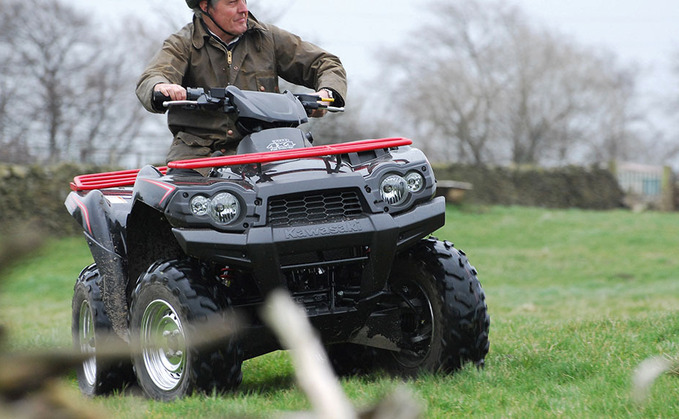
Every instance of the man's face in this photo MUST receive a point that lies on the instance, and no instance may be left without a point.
(232, 15)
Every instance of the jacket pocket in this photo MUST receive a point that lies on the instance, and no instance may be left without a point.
(266, 82)
(187, 146)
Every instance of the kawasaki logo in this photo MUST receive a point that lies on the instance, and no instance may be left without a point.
(309, 232)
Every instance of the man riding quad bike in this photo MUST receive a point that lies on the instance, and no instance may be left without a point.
(343, 228)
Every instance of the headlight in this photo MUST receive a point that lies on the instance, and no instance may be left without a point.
(394, 190)
(415, 181)
(199, 205)
(224, 207)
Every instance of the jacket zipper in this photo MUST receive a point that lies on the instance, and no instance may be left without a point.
(229, 56)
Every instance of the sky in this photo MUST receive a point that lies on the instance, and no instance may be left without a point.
(641, 32)
(644, 33)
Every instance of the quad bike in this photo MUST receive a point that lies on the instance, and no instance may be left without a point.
(344, 228)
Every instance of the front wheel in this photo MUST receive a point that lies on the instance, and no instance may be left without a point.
(349, 359)
(92, 330)
(442, 309)
(169, 305)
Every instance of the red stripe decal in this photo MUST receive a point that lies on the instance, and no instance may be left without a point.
(83, 211)
(168, 188)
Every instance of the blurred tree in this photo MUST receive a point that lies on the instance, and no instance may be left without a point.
(11, 131)
(49, 45)
(667, 145)
(485, 86)
(67, 93)
(114, 123)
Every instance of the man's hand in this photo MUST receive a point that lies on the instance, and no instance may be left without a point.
(174, 91)
(319, 113)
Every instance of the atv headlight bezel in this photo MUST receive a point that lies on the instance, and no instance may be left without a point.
(200, 205)
(394, 189)
(415, 181)
(224, 208)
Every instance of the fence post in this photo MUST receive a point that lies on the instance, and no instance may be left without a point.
(667, 201)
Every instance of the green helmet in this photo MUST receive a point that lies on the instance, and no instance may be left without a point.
(192, 3)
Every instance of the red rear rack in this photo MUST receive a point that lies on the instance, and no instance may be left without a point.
(107, 179)
(127, 177)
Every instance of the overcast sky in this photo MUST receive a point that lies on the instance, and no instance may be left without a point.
(644, 32)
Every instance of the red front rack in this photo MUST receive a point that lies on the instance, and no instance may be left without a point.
(127, 177)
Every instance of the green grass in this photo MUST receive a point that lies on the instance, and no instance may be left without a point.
(577, 300)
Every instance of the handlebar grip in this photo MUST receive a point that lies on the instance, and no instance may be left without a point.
(158, 100)
(192, 93)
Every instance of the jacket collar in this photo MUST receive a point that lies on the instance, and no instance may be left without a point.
(201, 34)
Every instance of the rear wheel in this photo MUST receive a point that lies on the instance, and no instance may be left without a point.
(91, 329)
(443, 314)
(169, 305)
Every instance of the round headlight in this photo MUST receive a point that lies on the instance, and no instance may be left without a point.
(224, 207)
(415, 181)
(394, 190)
(199, 205)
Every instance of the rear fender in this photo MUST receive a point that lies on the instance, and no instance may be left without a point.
(105, 232)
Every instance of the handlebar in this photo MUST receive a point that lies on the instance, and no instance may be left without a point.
(216, 98)
(193, 98)
(312, 102)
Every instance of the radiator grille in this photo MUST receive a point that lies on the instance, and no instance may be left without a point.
(314, 207)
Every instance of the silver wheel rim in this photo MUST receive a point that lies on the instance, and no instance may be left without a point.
(163, 345)
(86, 339)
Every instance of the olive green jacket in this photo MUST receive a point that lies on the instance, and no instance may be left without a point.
(194, 58)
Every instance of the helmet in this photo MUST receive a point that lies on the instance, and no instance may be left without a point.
(192, 3)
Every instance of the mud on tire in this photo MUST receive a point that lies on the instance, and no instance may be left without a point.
(91, 329)
(169, 304)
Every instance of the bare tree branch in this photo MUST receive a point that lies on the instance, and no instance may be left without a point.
(489, 87)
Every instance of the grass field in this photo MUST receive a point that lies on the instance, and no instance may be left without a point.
(577, 300)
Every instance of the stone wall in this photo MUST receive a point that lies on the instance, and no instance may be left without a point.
(567, 187)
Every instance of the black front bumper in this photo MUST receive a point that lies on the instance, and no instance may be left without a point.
(268, 251)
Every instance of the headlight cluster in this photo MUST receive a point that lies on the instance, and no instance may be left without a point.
(395, 188)
(222, 208)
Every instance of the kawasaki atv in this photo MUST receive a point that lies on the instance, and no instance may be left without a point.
(343, 228)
